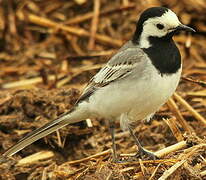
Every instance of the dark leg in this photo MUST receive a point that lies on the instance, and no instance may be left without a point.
(112, 131)
(142, 151)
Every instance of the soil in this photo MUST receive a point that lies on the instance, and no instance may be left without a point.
(49, 50)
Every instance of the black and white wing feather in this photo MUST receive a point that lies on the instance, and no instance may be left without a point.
(121, 65)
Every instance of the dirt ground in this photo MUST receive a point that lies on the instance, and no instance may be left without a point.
(48, 52)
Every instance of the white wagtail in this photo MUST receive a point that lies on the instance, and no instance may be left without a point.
(133, 85)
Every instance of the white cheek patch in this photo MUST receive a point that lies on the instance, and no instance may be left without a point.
(168, 19)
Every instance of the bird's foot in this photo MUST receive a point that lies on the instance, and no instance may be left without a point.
(117, 159)
(120, 160)
(145, 154)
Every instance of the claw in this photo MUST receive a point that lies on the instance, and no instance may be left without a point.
(144, 154)
(119, 160)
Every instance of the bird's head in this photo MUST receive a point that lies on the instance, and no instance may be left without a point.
(157, 22)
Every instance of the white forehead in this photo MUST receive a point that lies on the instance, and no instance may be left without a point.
(168, 18)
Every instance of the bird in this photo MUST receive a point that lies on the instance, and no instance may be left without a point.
(132, 86)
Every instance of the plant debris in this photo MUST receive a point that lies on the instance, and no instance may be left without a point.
(48, 52)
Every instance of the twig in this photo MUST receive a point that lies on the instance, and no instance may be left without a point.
(158, 161)
(166, 150)
(32, 81)
(174, 108)
(109, 151)
(190, 108)
(196, 81)
(171, 170)
(95, 21)
(26, 82)
(197, 93)
(76, 31)
(89, 15)
(153, 174)
(44, 174)
(175, 130)
(89, 123)
(74, 43)
(195, 71)
(203, 173)
(171, 148)
(127, 169)
(59, 140)
(35, 157)
(142, 167)
(82, 173)
(80, 2)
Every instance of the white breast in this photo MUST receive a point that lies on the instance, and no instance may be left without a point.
(154, 94)
(138, 97)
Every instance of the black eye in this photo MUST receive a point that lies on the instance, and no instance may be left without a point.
(160, 26)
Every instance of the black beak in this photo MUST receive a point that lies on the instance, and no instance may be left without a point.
(183, 27)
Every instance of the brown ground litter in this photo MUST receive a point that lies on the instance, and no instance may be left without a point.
(48, 52)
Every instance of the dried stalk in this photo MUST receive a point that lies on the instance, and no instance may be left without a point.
(76, 31)
(190, 108)
(94, 24)
(174, 108)
(35, 157)
(175, 130)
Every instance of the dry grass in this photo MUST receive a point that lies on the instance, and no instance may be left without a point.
(50, 49)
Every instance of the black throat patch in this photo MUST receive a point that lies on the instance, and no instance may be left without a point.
(164, 55)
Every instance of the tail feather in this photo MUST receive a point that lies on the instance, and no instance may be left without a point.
(42, 132)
